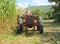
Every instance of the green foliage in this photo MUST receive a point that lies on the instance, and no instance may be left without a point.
(54, 1)
(40, 12)
(56, 8)
(37, 12)
(43, 11)
(57, 17)
(7, 12)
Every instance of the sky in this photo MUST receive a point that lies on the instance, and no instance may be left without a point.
(25, 3)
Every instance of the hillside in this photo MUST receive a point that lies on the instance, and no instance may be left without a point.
(43, 8)
(47, 6)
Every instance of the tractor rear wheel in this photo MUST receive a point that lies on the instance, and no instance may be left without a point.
(19, 29)
(40, 29)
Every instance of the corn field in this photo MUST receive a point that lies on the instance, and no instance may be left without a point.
(8, 14)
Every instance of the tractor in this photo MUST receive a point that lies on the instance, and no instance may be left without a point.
(30, 21)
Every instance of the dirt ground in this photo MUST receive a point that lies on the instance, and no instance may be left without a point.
(51, 35)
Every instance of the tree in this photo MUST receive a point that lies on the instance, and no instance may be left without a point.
(37, 12)
(56, 8)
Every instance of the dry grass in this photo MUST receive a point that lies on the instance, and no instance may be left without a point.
(51, 35)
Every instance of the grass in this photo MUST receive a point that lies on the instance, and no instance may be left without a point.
(51, 35)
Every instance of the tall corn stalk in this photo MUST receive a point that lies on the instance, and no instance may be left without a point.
(8, 15)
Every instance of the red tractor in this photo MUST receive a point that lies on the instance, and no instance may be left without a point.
(30, 21)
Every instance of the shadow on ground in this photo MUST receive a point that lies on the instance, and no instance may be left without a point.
(55, 35)
(46, 35)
